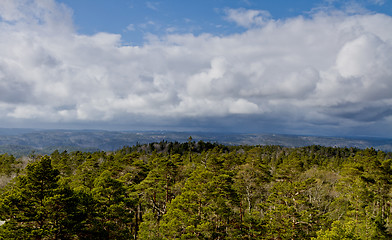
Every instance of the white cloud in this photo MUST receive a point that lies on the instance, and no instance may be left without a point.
(153, 5)
(242, 106)
(362, 55)
(247, 17)
(329, 68)
(378, 2)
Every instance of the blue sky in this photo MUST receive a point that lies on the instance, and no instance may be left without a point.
(293, 67)
(133, 19)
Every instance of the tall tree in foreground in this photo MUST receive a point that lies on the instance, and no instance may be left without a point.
(115, 208)
(38, 207)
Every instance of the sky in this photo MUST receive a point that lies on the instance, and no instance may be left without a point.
(321, 67)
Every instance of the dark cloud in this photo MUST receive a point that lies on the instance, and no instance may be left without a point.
(362, 113)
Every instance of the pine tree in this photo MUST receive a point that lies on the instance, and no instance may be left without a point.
(38, 207)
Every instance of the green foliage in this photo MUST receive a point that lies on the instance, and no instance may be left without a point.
(198, 190)
(339, 231)
(114, 207)
(8, 165)
(39, 207)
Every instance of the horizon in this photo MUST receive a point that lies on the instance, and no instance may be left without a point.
(303, 68)
(212, 133)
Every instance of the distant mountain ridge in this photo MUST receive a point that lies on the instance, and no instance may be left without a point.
(25, 141)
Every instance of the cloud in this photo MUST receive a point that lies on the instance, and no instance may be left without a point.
(153, 5)
(247, 17)
(330, 69)
(378, 2)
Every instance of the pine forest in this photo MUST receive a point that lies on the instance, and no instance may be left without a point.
(198, 190)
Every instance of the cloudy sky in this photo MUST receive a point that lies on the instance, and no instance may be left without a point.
(321, 67)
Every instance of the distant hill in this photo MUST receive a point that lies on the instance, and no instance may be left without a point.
(21, 142)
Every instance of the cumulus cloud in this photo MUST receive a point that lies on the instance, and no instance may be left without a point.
(330, 68)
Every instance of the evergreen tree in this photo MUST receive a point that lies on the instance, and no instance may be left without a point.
(38, 207)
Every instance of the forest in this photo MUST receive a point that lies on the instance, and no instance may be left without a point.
(198, 190)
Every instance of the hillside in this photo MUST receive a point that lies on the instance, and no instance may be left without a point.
(25, 141)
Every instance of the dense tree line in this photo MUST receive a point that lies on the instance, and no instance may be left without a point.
(171, 190)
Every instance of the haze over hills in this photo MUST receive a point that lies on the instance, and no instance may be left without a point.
(25, 141)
